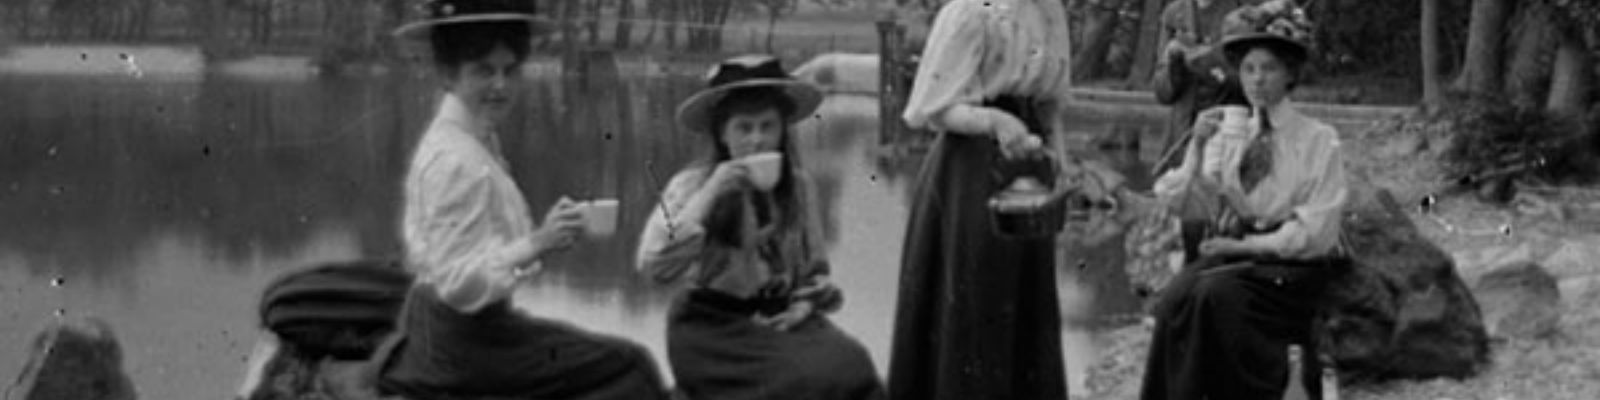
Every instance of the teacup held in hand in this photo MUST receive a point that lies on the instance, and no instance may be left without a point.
(600, 217)
(765, 168)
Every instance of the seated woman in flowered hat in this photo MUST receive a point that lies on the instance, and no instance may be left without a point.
(1225, 323)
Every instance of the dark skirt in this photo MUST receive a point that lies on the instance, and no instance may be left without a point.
(1223, 328)
(977, 312)
(718, 353)
(500, 353)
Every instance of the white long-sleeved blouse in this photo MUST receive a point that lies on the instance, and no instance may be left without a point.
(675, 249)
(982, 49)
(465, 222)
(1306, 187)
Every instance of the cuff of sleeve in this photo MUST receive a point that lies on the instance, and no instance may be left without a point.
(827, 300)
(518, 252)
(1276, 242)
(679, 231)
(522, 273)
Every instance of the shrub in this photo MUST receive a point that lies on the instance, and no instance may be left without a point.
(1496, 142)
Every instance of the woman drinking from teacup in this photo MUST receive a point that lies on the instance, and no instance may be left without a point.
(470, 239)
(740, 228)
(1276, 184)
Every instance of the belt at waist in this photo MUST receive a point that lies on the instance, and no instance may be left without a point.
(738, 305)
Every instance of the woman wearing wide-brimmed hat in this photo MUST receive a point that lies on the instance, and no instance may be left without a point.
(977, 315)
(1225, 324)
(470, 238)
(741, 229)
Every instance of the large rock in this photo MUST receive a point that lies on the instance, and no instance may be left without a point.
(1520, 301)
(1401, 311)
(77, 359)
(1577, 257)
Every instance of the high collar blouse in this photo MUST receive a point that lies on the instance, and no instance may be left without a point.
(1306, 187)
(676, 250)
(982, 49)
(465, 221)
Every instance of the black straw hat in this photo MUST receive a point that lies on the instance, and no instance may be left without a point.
(451, 12)
(750, 71)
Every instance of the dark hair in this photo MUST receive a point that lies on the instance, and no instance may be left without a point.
(1293, 59)
(722, 224)
(457, 44)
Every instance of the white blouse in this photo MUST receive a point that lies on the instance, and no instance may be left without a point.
(465, 221)
(1306, 187)
(981, 49)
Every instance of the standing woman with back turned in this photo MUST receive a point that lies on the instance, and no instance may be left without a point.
(977, 312)
(471, 241)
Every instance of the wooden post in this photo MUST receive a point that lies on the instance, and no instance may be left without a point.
(889, 93)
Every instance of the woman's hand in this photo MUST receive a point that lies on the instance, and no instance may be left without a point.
(1205, 125)
(729, 176)
(798, 312)
(1177, 49)
(562, 227)
(1013, 137)
(1229, 247)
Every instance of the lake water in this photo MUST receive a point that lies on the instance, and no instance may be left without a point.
(165, 205)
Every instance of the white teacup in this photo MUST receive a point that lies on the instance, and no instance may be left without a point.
(600, 217)
(765, 168)
(1229, 140)
(1235, 119)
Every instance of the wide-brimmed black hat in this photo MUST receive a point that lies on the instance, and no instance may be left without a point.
(1278, 24)
(750, 71)
(452, 12)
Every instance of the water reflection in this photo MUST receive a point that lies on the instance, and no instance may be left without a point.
(166, 206)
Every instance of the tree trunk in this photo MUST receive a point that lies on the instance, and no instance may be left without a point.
(24, 20)
(394, 13)
(143, 13)
(1090, 62)
(1532, 46)
(1432, 93)
(1481, 70)
(704, 13)
(569, 19)
(1570, 82)
(655, 24)
(594, 11)
(724, 10)
(700, 18)
(1144, 49)
(674, 14)
(624, 33)
(772, 22)
(205, 26)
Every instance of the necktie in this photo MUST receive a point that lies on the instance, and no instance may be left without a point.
(1257, 160)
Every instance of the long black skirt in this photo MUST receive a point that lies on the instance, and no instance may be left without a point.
(499, 353)
(1223, 329)
(717, 352)
(977, 312)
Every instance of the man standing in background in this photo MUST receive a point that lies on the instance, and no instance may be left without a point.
(1190, 76)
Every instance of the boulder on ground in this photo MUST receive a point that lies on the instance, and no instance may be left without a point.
(1520, 301)
(77, 358)
(1401, 311)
